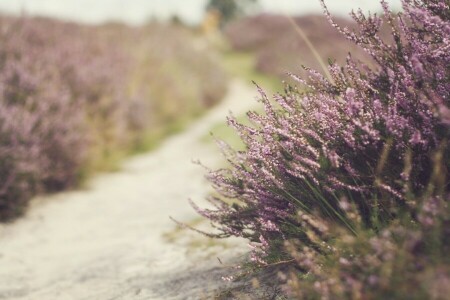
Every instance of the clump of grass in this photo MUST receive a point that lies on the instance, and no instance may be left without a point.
(405, 259)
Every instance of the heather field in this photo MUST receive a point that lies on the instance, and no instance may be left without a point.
(77, 99)
(258, 156)
(279, 48)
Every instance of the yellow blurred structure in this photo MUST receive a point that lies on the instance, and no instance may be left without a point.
(211, 22)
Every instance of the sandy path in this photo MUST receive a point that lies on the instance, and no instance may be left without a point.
(108, 241)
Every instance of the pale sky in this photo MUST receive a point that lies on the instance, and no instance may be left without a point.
(139, 11)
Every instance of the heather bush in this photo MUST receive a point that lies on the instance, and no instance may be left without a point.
(362, 138)
(74, 101)
(42, 145)
(19, 176)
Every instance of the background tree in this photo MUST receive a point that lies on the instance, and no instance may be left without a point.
(229, 9)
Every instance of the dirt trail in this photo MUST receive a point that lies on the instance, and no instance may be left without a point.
(110, 240)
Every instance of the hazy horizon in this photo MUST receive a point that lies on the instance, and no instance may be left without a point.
(137, 12)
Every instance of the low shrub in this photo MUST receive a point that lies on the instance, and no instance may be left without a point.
(42, 140)
(364, 138)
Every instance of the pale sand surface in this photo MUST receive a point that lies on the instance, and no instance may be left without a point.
(114, 239)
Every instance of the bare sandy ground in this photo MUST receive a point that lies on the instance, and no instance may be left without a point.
(114, 239)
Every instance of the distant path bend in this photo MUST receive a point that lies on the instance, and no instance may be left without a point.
(107, 242)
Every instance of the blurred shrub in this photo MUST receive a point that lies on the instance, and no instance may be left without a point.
(73, 99)
(280, 49)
